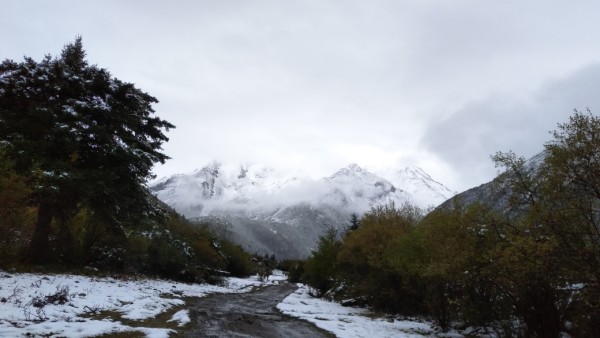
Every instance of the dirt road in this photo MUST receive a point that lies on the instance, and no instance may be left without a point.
(250, 314)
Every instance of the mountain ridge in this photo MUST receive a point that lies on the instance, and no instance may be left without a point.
(261, 208)
(217, 181)
(496, 193)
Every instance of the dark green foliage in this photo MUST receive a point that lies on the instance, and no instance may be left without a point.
(238, 262)
(366, 265)
(76, 148)
(457, 264)
(555, 242)
(294, 269)
(354, 222)
(168, 260)
(81, 137)
(370, 264)
(15, 217)
(531, 271)
(319, 269)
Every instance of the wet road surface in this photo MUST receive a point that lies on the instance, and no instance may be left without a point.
(251, 314)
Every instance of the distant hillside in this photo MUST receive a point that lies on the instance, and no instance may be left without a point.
(494, 194)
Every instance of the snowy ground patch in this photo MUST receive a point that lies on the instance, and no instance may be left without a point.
(182, 317)
(349, 322)
(73, 306)
(276, 277)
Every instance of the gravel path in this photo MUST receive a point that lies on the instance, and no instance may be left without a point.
(251, 314)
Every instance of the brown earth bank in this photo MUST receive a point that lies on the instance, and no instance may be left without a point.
(252, 314)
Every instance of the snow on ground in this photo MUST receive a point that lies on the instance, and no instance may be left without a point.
(182, 317)
(73, 306)
(277, 276)
(82, 306)
(349, 322)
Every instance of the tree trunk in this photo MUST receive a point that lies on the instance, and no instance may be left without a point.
(65, 243)
(541, 315)
(39, 248)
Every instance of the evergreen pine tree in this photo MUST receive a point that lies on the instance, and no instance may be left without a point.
(354, 222)
(81, 136)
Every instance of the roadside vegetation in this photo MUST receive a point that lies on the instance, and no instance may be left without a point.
(76, 149)
(530, 271)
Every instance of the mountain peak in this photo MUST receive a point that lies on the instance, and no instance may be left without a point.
(352, 169)
(414, 173)
(211, 169)
(425, 190)
(354, 166)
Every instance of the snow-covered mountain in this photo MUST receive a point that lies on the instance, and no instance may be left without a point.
(218, 186)
(424, 190)
(357, 189)
(271, 212)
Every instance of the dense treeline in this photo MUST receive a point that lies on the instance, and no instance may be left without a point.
(532, 270)
(76, 149)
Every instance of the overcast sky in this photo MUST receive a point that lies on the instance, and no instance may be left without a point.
(317, 85)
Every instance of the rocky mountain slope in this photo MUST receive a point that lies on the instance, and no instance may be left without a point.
(270, 212)
(496, 193)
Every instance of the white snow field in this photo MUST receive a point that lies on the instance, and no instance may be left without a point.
(351, 322)
(81, 306)
(76, 310)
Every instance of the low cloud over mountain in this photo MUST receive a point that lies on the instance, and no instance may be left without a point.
(270, 212)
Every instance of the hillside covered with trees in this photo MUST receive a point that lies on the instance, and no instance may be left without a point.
(76, 149)
(532, 270)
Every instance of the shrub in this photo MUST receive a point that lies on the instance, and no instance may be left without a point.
(238, 262)
(319, 269)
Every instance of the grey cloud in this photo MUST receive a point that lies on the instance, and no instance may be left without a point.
(312, 83)
(470, 135)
